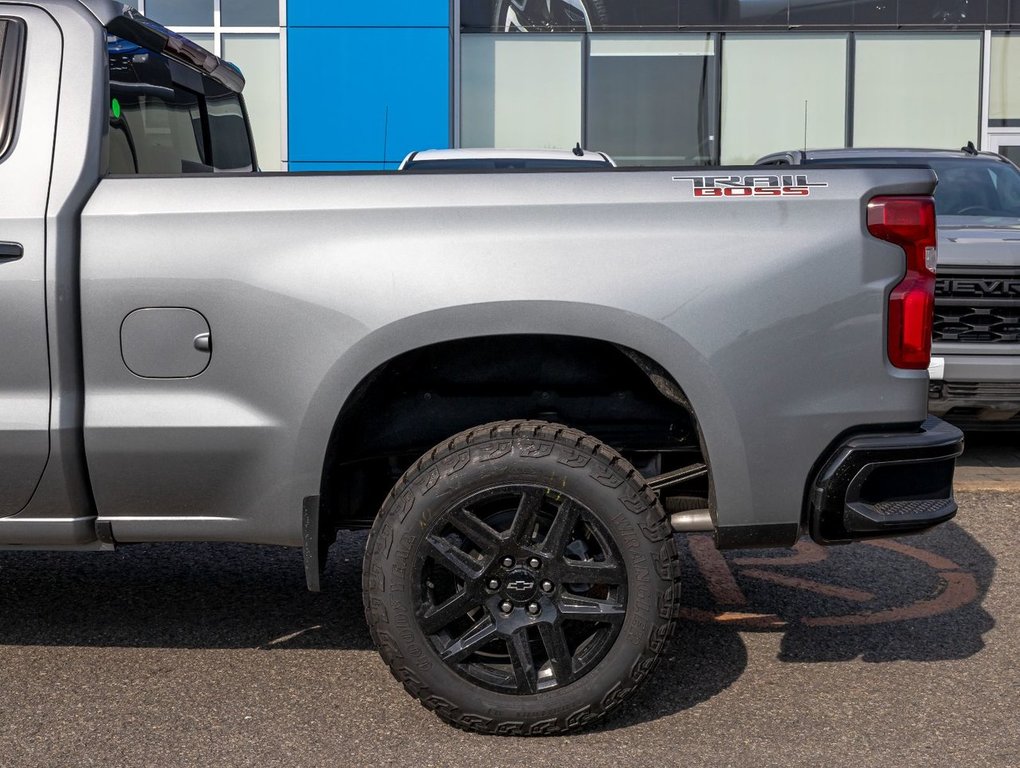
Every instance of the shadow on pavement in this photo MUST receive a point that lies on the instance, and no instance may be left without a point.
(918, 599)
(182, 596)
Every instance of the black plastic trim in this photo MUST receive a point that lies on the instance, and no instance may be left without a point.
(921, 464)
(134, 27)
(316, 547)
(752, 536)
(11, 251)
(104, 532)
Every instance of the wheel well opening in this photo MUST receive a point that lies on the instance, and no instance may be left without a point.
(416, 400)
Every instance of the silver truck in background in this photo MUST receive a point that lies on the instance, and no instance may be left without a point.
(523, 382)
(976, 367)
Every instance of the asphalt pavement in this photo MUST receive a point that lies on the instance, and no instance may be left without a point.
(896, 653)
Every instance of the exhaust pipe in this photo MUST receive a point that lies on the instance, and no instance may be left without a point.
(692, 521)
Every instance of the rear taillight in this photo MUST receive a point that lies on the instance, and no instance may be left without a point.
(909, 222)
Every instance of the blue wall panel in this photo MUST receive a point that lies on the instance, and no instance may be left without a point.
(366, 94)
(368, 13)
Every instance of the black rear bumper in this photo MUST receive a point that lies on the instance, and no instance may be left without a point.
(886, 484)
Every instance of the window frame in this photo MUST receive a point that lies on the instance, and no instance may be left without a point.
(184, 79)
(12, 58)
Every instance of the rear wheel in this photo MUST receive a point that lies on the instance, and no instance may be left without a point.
(521, 579)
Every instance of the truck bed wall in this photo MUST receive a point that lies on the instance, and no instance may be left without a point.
(769, 313)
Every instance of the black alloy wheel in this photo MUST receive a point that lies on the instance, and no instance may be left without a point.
(521, 579)
(521, 589)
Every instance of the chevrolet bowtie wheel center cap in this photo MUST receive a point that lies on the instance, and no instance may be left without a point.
(521, 585)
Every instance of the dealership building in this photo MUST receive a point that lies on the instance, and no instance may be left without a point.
(336, 85)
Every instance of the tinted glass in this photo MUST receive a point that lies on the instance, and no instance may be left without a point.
(967, 186)
(475, 16)
(690, 12)
(228, 132)
(11, 34)
(878, 12)
(4, 97)
(159, 127)
(998, 12)
(250, 13)
(181, 13)
(669, 15)
(930, 12)
(155, 127)
(740, 13)
(839, 12)
(980, 188)
(652, 99)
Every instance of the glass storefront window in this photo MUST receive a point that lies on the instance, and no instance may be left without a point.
(916, 90)
(772, 101)
(521, 91)
(258, 56)
(652, 98)
(1004, 81)
(181, 13)
(250, 13)
(673, 15)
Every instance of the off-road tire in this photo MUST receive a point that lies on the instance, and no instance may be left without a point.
(508, 454)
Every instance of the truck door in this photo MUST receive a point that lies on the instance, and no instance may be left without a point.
(27, 126)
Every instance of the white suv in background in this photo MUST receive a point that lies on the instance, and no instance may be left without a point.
(505, 159)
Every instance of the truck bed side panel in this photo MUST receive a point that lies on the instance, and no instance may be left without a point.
(769, 313)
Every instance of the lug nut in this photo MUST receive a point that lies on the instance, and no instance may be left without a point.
(493, 584)
(506, 607)
(535, 562)
(534, 609)
(547, 586)
(508, 562)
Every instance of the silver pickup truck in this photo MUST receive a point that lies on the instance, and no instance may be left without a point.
(524, 383)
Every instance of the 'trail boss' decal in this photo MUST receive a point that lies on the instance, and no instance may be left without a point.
(788, 185)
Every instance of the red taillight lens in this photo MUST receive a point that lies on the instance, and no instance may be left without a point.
(909, 222)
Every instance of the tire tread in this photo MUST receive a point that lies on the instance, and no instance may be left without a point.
(656, 530)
